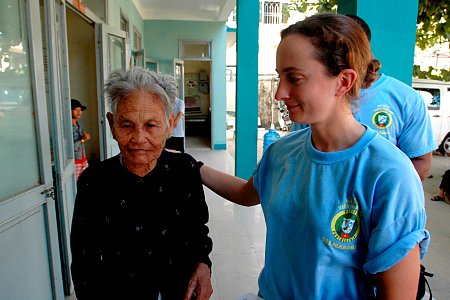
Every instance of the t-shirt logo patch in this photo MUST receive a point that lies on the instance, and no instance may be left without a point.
(345, 225)
(382, 119)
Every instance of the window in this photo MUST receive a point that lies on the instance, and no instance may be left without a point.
(432, 97)
(124, 24)
(98, 7)
(19, 143)
(137, 39)
(195, 50)
(273, 12)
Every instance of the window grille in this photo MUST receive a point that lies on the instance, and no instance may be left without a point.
(272, 13)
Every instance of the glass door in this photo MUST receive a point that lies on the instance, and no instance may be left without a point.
(29, 261)
(58, 98)
(178, 71)
(112, 55)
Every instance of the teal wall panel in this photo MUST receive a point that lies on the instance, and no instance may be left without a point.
(393, 26)
(348, 6)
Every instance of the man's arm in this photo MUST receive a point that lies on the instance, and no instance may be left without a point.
(177, 118)
(402, 280)
(422, 164)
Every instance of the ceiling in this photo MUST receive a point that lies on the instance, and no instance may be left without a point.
(187, 10)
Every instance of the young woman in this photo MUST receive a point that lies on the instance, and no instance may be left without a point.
(343, 206)
(79, 138)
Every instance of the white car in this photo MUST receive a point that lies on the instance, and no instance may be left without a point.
(436, 95)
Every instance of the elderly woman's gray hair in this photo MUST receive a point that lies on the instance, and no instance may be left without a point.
(123, 83)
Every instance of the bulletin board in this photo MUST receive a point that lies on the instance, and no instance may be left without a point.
(191, 84)
(192, 104)
(192, 93)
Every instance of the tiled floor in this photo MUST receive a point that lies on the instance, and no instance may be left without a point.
(437, 260)
(238, 234)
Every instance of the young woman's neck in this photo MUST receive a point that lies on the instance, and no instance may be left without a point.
(339, 134)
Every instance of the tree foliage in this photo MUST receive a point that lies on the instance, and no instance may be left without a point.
(309, 7)
(432, 25)
(431, 73)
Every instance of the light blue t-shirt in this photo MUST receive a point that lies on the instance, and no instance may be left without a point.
(399, 114)
(335, 218)
(179, 130)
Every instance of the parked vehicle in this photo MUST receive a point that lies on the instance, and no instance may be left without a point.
(436, 95)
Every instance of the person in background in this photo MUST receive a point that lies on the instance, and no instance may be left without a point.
(344, 207)
(441, 150)
(176, 140)
(79, 138)
(444, 189)
(397, 112)
(139, 225)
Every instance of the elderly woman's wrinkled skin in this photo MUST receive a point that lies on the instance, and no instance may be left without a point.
(140, 128)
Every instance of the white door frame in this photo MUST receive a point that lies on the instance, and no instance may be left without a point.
(32, 212)
(108, 146)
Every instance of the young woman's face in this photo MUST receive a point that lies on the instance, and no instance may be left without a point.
(305, 86)
(76, 113)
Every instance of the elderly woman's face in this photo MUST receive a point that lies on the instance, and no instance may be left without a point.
(140, 128)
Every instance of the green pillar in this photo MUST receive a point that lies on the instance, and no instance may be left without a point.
(246, 86)
(393, 26)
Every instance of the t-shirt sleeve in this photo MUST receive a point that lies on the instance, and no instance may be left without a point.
(417, 137)
(397, 220)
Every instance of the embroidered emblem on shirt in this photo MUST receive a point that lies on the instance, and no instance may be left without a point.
(382, 118)
(345, 225)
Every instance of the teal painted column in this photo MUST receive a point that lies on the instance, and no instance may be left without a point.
(393, 26)
(246, 86)
(347, 7)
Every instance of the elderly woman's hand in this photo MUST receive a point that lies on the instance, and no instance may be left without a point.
(200, 287)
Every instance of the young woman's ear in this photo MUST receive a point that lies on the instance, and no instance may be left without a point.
(347, 78)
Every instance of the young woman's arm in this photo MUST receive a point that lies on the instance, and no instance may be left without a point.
(400, 281)
(232, 188)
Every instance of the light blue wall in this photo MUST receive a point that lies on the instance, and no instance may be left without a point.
(130, 11)
(161, 43)
(393, 26)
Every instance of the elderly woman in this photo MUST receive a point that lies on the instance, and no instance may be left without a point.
(139, 226)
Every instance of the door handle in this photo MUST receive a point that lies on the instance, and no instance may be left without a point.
(49, 193)
(436, 116)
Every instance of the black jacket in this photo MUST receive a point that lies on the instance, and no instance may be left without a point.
(133, 237)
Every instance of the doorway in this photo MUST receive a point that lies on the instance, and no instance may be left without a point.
(197, 97)
(82, 77)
